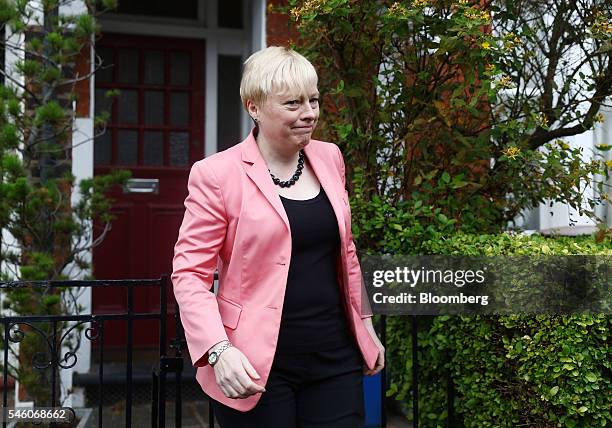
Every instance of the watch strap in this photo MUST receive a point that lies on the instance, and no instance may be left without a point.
(220, 349)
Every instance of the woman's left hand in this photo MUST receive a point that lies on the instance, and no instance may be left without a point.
(380, 360)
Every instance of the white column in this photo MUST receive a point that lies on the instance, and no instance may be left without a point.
(258, 25)
(557, 219)
(82, 168)
(603, 135)
(210, 83)
(257, 31)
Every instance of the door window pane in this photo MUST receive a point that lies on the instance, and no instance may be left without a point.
(128, 107)
(127, 141)
(105, 71)
(179, 109)
(154, 67)
(103, 103)
(128, 66)
(153, 148)
(180, 69)
(153, 108)
(102, 148)
(179, 148)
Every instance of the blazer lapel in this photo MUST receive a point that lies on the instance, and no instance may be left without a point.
(258, 172)
(321, 168)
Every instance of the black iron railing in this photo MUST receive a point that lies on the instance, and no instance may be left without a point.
(167, 365)
(51, 358)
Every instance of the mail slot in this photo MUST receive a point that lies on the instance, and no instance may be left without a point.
(142, 185)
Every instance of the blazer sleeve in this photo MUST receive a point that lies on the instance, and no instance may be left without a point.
(196, 251)
(354, 268)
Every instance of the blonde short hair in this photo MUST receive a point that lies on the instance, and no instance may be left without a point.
(275, 67)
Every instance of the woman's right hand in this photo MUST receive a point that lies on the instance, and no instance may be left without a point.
(234, 374)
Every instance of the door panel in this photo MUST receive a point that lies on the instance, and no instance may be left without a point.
(155, 130)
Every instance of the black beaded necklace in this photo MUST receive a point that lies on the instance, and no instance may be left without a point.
(296, 175)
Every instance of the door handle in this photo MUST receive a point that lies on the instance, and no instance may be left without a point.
(142, 185)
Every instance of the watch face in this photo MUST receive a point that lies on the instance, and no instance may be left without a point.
(212, 359)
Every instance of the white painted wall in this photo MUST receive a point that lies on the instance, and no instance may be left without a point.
(82, 168)
(11, 56)
(556, 219)
(603, 135)
(211, 90)
(257, 22)
(8, 241)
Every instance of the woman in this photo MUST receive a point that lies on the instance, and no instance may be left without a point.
(285, 340)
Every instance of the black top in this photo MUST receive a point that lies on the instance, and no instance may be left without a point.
(313, 313)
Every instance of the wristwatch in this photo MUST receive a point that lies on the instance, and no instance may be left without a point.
(213, 356)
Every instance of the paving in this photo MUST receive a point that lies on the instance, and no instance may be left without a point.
(195, 415)
(194, 405)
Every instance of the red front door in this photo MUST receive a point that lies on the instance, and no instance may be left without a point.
(156, 131)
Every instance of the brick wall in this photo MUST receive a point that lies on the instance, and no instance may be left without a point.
(82, 68)
(278, 31)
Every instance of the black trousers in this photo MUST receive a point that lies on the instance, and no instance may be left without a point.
(321, 388)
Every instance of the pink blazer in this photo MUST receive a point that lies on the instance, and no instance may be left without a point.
(235, 222)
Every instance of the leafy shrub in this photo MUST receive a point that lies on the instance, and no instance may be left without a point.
(543, 371)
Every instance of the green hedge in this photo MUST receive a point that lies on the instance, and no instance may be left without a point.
(507, 371)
